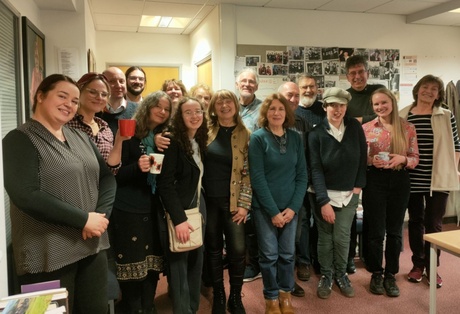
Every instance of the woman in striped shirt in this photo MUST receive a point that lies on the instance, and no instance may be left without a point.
(437, 171)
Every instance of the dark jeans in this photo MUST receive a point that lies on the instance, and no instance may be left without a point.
(302, 237)
(425, 216)
(252, 246)
(219, 223)
(85, 280)
(385, 199)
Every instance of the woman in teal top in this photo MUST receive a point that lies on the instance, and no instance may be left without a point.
(279, 181)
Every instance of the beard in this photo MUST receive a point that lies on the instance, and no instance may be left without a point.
(135, 92)
(307, 101)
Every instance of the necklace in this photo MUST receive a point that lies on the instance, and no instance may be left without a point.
(281, 142)
(227, 128)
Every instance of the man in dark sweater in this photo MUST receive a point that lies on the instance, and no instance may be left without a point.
(359, 107)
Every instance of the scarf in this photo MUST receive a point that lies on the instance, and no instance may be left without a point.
(149, 145)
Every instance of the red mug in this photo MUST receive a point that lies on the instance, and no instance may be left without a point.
(127, 127)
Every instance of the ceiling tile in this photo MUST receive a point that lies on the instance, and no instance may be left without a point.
(117, 19)
(351, 6)
(177, 10)
(57, 5)
(296, 4)
(117, 6)
(402, 7)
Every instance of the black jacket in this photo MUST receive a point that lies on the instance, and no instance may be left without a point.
(177, 182)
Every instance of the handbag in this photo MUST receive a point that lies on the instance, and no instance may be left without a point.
(195, 219)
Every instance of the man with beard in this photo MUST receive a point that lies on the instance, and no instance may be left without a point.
(117, 106)
(309, 107)
(135, 83)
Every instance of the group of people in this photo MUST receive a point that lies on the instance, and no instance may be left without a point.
(277, 180)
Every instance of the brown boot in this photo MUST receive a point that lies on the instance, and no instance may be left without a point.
(272, 306)
(285, 303)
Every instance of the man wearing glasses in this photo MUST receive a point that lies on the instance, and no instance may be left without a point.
(357, 74)
(135, 83)
(360, 108)
(247, 83)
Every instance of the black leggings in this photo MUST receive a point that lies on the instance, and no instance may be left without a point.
(219, 222)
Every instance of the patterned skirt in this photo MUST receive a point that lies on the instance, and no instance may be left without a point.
(135, 243)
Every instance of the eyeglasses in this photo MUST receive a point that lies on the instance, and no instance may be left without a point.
(222, 102)
(135, 78)
(248, 82)
(189, 113)
(357, 73)
(94, 93)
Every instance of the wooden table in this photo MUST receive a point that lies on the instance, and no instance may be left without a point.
(448, 241)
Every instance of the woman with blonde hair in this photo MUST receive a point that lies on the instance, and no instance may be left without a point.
(392, 150)
(228, 197)
(203, 93)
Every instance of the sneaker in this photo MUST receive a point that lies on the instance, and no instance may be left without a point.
(303, 272)
(351, 268)
(416, 274)
(324, 288)
(345, 286)
(438, 280)
(391, 288)
(250, 274)
(298, 290)
(376, 286)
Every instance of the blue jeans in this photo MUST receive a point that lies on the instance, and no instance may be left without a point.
(276, 253)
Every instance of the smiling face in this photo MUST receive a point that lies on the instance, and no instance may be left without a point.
(59, 105)
(247, 84)
(382, 105)
(203, 96)
(159, 113)
(428, 93)
(192, 114)
(357, 76)
(117, 82)
(276, 114)
(93, 97)
(291, 92)
(174, 91)
(335, 113)
(135, 82)
(308, 91)
(225, 110)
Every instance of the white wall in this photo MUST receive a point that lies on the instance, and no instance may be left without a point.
(437, 47)
(145, 49)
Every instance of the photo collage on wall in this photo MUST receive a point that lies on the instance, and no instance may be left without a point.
(327, 64)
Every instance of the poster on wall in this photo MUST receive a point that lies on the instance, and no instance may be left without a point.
(327, 65)
(33, 46)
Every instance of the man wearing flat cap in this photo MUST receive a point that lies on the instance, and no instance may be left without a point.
(338, 156)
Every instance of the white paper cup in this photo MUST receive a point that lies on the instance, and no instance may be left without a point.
(156, 162)
(385, 156)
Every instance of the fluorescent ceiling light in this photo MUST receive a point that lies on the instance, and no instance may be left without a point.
(455, 11)
(164, 21)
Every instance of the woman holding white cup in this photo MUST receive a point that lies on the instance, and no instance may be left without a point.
(392, 149)
(135, 237)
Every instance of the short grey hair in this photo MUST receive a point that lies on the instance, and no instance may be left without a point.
(249, 70)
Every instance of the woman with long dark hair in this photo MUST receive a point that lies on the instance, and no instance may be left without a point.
(178, 189)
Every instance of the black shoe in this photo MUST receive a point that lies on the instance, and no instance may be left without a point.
(345, 286)
(219, 303)
(389, 283)
(376, 286)
(298, 291)
(234, 304)
(303, 272)
(351, 268)
(324, 287)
